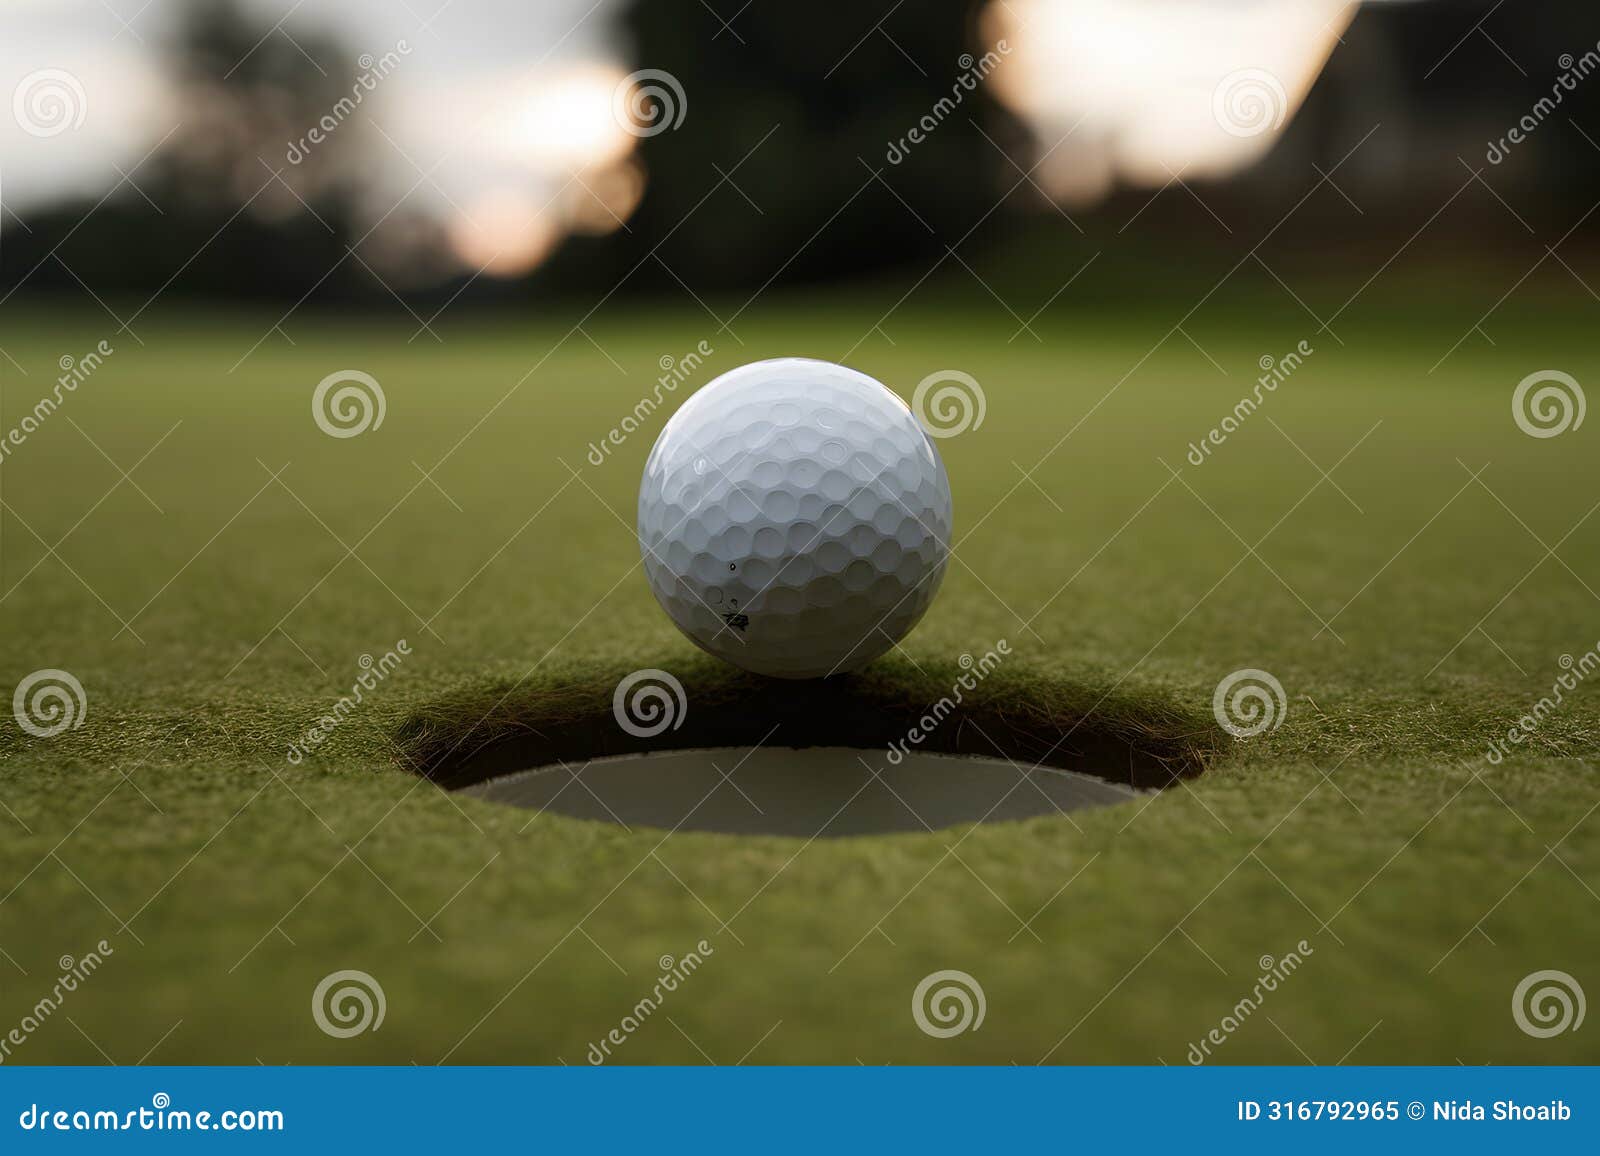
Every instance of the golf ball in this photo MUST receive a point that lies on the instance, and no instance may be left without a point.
(794, 518)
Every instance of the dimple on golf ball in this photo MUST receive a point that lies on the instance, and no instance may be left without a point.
(794, 518)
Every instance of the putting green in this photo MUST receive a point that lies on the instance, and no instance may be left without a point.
(1379, 536)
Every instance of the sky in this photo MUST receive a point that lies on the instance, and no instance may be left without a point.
(500, 119)
(497, 102)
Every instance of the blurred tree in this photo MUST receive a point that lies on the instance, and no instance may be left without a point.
(207, 203)
(836, 141)
(793, 160)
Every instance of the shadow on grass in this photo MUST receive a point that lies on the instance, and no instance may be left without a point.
(480, 732)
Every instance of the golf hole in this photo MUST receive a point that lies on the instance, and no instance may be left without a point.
(810, 792)
(834, 757)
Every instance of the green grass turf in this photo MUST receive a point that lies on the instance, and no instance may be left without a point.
(1426, 882)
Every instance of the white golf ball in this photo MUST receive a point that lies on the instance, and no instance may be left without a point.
(794, 518)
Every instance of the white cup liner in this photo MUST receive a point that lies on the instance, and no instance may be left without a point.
(802, 792)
